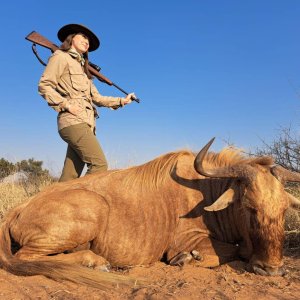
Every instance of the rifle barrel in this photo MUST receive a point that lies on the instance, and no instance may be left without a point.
(120, 89)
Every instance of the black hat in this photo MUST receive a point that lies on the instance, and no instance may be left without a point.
(77, 28)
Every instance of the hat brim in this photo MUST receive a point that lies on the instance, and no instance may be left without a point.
(66, 30)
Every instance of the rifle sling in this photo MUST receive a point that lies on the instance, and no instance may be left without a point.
(37, 55)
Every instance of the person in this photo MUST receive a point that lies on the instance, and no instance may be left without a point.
(67, 86)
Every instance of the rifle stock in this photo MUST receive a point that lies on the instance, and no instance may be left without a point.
(38, 39)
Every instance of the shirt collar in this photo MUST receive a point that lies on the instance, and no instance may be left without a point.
(76, 55)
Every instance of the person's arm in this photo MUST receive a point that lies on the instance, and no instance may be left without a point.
(49, 81)
(108, 101)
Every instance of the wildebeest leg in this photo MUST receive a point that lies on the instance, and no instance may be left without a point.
(181, 259)
(65, 223)
(206, 253)
(85, 258)
(211, 253)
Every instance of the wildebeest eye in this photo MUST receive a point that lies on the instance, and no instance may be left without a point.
(247, 204)
(238, 180)
(252, 210)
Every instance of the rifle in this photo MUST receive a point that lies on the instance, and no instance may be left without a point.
(38, 39)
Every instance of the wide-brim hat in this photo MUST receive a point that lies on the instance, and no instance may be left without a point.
(77, 28)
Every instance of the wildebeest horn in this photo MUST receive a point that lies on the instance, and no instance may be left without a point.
(225, 172)
(294, 202)
(283, 174)
(223, 201)
(199, 159)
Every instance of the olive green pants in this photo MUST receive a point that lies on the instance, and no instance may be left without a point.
(83, 148)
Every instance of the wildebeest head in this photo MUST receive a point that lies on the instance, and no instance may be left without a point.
(259, 188)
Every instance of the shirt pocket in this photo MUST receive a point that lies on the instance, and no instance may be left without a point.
(79, 80)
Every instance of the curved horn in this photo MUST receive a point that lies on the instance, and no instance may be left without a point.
(199, 159)
(225, 172)
(283, 174)
(223, 201)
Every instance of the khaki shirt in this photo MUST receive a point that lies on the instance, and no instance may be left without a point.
(64, 82)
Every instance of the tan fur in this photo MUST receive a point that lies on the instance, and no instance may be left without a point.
(154, 173)
(138, 215)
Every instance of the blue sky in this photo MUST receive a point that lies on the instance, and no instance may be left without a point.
(228, 69)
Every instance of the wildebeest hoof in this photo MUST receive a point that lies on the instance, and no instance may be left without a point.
(196, 255)
(267, 271)
(259, 270)
(104, 268)
(181, 259)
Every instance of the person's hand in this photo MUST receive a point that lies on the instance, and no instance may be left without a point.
(73, 109)
(129, 98)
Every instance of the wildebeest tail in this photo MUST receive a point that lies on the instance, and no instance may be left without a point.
(55, 270)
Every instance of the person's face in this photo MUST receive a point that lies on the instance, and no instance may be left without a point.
(80, 43)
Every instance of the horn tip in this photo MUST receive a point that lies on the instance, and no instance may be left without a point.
(211, 141)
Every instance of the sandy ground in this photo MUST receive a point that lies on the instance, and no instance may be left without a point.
(230, 281)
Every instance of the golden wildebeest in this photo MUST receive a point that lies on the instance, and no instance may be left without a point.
(214, 208)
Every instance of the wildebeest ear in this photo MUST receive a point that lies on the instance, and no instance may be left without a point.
(223, 201)
(294, 202)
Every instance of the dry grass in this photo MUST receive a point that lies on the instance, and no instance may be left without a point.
(292, 222)
(11, 195)
(14, 194)
(292, 230)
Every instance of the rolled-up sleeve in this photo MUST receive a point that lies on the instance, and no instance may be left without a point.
(50, 80)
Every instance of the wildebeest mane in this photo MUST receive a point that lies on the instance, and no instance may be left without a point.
(233, 156)
(154, 173)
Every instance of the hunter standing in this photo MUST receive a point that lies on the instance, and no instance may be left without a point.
(67, 86)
